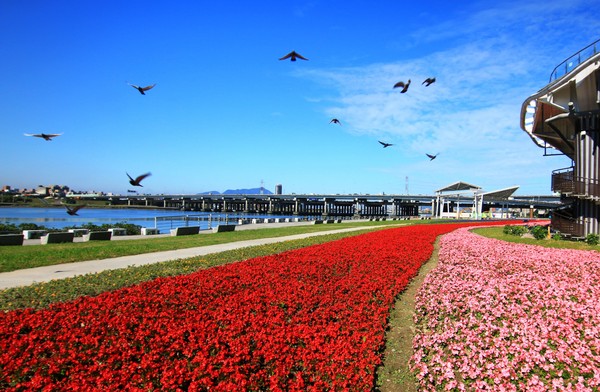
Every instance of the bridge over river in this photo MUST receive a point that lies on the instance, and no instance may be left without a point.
(352, 205)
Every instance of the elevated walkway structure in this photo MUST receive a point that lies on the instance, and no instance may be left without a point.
(564, 118)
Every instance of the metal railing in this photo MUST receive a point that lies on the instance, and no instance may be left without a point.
(565, 182)
(573, 61)
(562, 180)
(206, 222)
(567, 226)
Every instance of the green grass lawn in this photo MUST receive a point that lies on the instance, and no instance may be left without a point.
(497, 232)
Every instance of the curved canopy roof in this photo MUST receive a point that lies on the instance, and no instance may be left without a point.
(458, 186)
(500, 194)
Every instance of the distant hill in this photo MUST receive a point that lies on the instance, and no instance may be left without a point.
(251, 191)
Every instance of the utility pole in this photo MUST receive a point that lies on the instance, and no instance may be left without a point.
(406, 185)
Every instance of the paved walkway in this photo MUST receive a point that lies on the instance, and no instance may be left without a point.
(60, 271)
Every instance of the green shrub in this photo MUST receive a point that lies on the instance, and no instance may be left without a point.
(8, 228)
(592, 239)
(515, 230)
(556, 236)
(130, 227)
(539, 232)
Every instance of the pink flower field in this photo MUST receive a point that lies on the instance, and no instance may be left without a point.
(508, 317)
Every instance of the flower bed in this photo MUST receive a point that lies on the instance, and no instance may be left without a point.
(508, 317)
(308, 319)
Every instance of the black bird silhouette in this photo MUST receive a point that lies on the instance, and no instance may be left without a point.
(293, 56)
(403, 85)
(73, 210)
(138, 179)
(335, 121)
(385, 145)
(428, 81)
(46, 136)
(432, 157)
(142, 90)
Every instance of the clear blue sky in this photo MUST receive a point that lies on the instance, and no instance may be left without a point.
(226, 113)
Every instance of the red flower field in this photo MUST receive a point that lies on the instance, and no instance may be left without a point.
(308, 319)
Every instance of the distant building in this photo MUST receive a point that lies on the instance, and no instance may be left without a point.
(42, 190)
(278, 189)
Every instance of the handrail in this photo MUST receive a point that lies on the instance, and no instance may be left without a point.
(569, 63)
(564, 170)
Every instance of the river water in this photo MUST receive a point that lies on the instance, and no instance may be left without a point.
(58, 218)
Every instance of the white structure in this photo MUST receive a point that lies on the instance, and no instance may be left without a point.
(564, 117)
(452, 195)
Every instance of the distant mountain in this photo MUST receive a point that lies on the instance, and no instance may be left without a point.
(251, 191)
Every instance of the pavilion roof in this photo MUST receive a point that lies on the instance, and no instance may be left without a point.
(458, 186)
(500, 194)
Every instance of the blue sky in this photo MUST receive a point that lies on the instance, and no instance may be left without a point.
(226, 113)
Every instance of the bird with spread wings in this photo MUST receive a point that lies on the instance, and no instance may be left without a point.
(293, 55)
(46, 136)
(142, 90)
(138, 179)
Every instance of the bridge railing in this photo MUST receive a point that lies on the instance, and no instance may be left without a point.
(573, 61)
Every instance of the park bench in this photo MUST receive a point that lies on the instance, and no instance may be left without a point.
(33, 234)
(329, 221)
(11, 239)
(57, 238)
(118, 231)
(79, 232)
(185, 230)
(317, 222)
(150, 231)
(223, 228)
(97, 236)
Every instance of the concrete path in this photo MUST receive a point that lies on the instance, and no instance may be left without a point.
(60, 271)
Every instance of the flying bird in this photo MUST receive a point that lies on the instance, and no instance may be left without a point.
(73, 210)
(403, 85)
(335, 121)
(428, 81)
(142, 90)
(138, 179)
(432, 157)
(46, 136)
(385, 145)
(293, 56)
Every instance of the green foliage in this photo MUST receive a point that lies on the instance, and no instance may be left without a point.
(592, 239)
(11, 228)
(131, 228)
(517, 230)
(8, 228)
(539, 232)
(556, 236)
